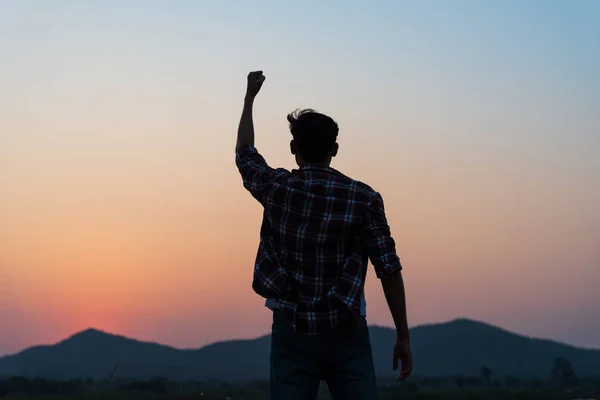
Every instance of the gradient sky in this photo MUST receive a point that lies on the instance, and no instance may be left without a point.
(121, 207)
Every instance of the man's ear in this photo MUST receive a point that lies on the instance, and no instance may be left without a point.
(293, 147)
(335, 149)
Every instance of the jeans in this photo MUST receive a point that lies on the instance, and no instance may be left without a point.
(341, 357)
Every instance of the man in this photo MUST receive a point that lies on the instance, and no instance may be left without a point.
(319, 230)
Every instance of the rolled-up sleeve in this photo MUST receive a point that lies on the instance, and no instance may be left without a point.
(381, 247)
(257, 176)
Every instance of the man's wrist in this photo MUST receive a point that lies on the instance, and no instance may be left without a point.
(403, 334)
(249, 99)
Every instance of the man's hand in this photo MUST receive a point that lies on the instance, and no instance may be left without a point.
(255, 81)
(403, 354)
(393, 288)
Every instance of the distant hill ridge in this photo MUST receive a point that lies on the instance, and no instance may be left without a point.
(459, 347)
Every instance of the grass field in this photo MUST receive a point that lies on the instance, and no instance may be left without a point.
(253, 393)
(21, 388)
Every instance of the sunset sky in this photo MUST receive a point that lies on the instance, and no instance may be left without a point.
(121, 207)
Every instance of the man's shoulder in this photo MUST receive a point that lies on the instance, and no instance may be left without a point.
(366, 188)
(249, 154)
(357, 185)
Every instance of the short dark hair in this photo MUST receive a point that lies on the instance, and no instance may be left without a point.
(314, 133)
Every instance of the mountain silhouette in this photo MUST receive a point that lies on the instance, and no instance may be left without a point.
(456, 348)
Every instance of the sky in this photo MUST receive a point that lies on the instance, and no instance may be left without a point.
(121, 207)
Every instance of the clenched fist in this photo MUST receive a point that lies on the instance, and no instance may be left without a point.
(255, 81)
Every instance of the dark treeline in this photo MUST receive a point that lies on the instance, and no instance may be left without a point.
(76, 388)
(561, 380)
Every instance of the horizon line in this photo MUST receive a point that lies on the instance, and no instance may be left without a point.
(423, 325)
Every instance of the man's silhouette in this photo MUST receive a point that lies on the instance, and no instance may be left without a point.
(319, 230)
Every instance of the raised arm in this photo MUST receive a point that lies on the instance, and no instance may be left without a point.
(245, 136)
(258, 177)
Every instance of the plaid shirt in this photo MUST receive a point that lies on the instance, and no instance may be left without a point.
(319, 230)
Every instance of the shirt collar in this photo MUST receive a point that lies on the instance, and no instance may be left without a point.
(309, 168)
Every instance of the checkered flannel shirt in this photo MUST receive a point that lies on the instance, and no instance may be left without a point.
(318, 232)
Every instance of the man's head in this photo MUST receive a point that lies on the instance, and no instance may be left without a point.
(314, 137)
